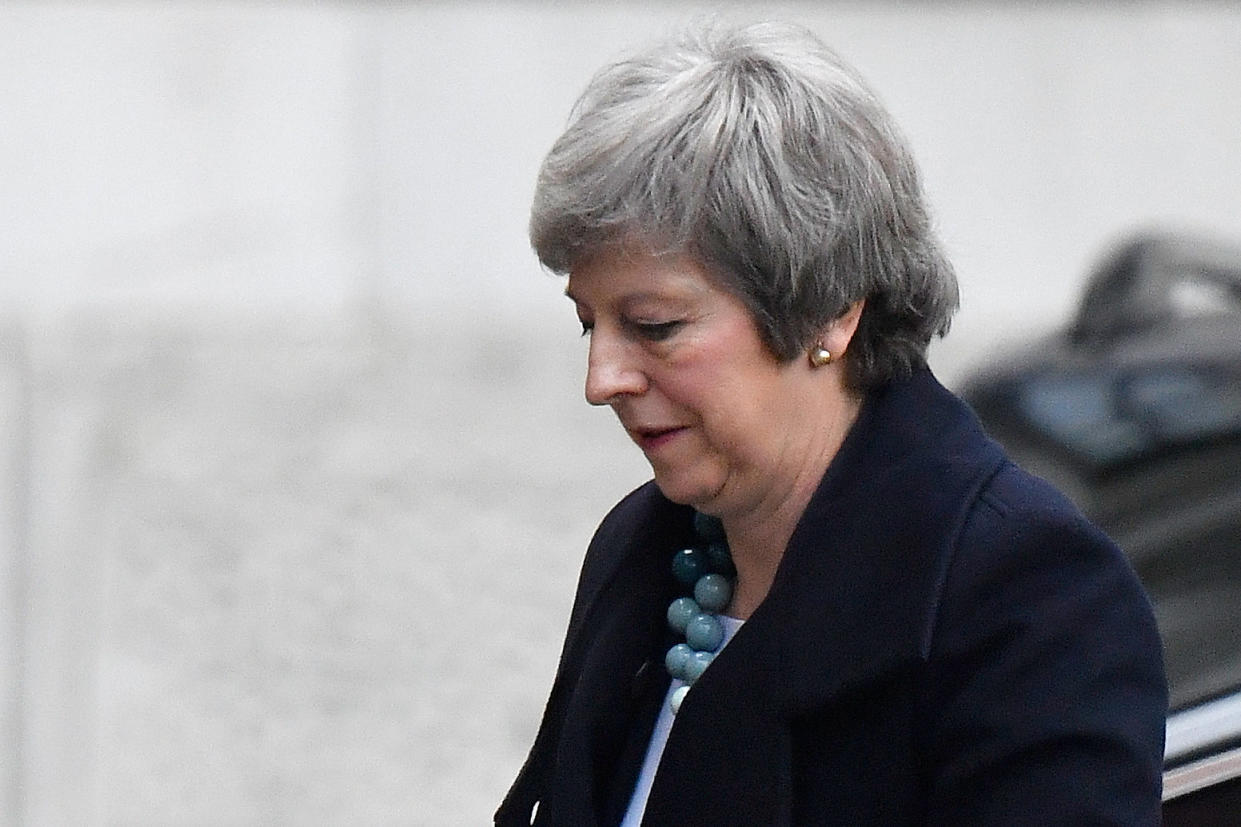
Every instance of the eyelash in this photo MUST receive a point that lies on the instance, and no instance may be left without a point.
(651, 331)
(655, 331)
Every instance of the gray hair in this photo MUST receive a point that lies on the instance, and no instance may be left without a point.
(760, 152)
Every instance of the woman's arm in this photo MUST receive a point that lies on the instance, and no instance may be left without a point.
(1046, 690)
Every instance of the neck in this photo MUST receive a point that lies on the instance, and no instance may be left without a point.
(757, 548)
(758, 538)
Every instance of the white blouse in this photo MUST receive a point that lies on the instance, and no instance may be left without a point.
(659, 738)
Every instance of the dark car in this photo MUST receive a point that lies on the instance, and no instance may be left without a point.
(1134, 411)
(1202, 764)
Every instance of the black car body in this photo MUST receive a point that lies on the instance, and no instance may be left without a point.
(1134, 411)
(1202, 764)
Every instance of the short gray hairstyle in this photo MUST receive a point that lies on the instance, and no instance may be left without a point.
(760, 152)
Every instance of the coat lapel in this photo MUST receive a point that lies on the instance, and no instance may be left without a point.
(617, 665)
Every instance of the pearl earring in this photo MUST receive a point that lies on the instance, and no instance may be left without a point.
(819, 355)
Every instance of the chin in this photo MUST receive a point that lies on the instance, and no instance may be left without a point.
(687, 492)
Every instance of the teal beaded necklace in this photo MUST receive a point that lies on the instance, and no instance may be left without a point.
(706, 568)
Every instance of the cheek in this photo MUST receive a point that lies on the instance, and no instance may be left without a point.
(753, 419)
(735, 427)
(710, 396)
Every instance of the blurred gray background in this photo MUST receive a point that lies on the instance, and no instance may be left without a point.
(297, 469)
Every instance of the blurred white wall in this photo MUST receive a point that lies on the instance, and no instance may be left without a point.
(298, 471)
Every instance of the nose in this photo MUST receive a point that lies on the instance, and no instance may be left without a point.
(613, 370)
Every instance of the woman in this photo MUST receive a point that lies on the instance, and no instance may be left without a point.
(837, 602)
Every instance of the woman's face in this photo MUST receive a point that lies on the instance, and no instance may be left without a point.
(726, 427)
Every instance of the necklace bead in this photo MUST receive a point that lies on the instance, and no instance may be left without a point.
(707, 527)
(695, 665)
(720, 558)
(713, 592)
(677, 697)
(708, 569)
(676, 659)
(688, 565)
(704, 632)
(681, 612)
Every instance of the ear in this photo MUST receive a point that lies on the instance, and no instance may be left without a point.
(838, 333)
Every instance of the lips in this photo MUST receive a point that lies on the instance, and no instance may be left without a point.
(651, 438)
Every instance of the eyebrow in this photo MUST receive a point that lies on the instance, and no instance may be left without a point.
(630, 298)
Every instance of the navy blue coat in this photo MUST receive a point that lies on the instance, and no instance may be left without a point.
(947, 641)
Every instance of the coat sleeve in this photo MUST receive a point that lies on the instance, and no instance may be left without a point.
(1045, 696)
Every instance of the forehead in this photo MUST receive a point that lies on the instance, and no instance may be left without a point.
(634, 272)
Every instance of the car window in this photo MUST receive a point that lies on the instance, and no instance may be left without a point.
(1181, 403)
(1078, 412)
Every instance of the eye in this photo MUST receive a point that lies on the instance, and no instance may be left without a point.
(656, 331)
(586, 326)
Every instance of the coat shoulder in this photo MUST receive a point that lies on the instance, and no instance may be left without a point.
(1046, 666)
(619, 533)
